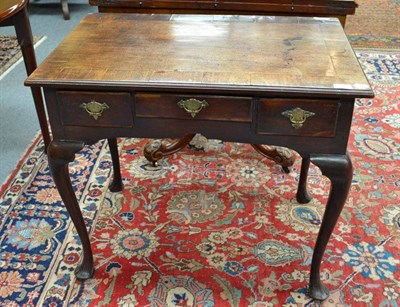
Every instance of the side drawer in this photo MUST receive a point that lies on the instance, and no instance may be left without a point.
(218, 108)
(95, 109)
(298, 117)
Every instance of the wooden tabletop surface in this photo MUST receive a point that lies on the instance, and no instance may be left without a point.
(248, 53)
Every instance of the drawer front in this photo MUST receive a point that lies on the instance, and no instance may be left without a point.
(298, 117)
(217, 108)
(95, 109)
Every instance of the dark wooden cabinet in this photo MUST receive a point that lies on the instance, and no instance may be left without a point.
(317, 8)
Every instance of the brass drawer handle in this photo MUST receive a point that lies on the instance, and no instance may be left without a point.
(297, 116)
(192, 106)
(94, 109)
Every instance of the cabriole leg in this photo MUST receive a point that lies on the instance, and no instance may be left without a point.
(116, 185)
(302, 195)
(338, 168)
(60, 153)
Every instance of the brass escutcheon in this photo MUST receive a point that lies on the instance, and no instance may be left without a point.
(297, 116)
(94, 109)
(192, 106)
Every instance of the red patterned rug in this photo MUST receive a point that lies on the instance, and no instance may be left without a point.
(215, 225)
(376, 24)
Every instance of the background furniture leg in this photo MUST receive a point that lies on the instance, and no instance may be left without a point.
(25, 40)
(116, 185)
(65, 10)
(60, 153)
(338, 168)
(303, 196)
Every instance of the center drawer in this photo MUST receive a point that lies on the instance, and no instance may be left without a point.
(215, 108)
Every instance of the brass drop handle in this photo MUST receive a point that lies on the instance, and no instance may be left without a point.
(297, 116)
(94, 109)
(192, 106)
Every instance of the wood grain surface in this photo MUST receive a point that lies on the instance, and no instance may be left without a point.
(291, 54)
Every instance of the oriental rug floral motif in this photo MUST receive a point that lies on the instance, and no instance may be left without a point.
(214, 225)
(10, 52)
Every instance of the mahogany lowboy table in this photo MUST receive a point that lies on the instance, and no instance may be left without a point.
(286, 81)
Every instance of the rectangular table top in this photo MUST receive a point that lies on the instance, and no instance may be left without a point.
(246, 53)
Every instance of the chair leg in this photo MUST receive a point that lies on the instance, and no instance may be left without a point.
(65, 10)
(25, 40)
